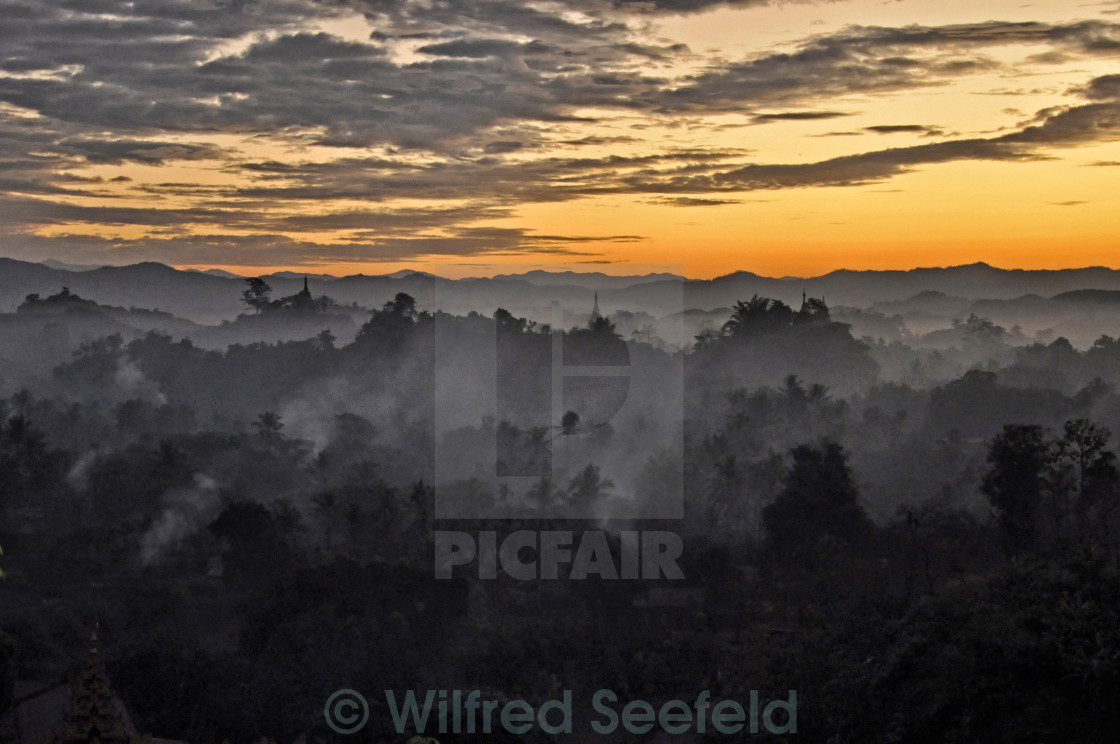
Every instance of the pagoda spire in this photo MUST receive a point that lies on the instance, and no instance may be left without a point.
(595, 315)
(95, 713)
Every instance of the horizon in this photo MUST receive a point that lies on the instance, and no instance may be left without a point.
(558, 269)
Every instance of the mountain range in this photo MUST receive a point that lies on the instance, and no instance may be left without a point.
(215, 296)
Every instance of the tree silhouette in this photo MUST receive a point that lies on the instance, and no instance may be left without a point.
(758, 315)
(601, 324)
(819, 499)
(1015, 482)
(258, 293)
(268, 426)
(588, 487)
(402, 304)
(569, 422)
(1089, 478)
(389, 327)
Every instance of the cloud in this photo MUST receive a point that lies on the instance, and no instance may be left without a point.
(874, 60)
(1066, 127)
(797, 116)
(903, 128)
(1103, 88)
(498, 147)
(462, 102)
(481, 48)
(691, 201)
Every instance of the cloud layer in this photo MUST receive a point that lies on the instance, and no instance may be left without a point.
(373, 130)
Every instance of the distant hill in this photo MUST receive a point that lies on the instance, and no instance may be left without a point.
(296, 275)
(1090, 296)
(70, 267)
(930, 301)
(45, 331)
(212, 297)
(865, 288)
(200, 297)
(591, 280)
(215, 272)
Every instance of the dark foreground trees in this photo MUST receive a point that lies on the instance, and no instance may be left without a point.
(819, 503)
(1049, 493)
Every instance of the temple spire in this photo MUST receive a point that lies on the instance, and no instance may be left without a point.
(595, 315)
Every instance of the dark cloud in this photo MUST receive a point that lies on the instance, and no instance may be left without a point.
(271, 249)
(478, 48)
(119, 151)
(797, 116)
(1103, 88)
(1075, 125)
(903, 128)
(680, 6)
(594, 140)
(1050, 58)
(502, 146)
(691, 201)
(873, 59)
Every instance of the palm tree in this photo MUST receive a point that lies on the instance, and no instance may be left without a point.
(588, 487)
(268, 426)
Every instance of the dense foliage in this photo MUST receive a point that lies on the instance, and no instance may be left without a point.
(928, 559)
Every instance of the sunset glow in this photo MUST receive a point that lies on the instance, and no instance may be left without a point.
(469, 139)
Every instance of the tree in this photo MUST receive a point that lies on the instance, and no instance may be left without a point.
(793, 391)
(1088, 476)
(258, 294)
(758, 315)
(819, 499)
(255, 548)
(507, 321)
(1015, 482)
(588, 487)
(402, 304)
(601, 324)
(392, 325)
(268, 426)
(979, 331)
(813, 310)
(726, 487)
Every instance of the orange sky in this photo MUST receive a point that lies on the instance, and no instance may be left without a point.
(787, 139)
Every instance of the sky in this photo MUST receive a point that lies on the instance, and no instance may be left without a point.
(476, 137)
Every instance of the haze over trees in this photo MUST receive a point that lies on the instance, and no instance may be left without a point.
(921, 540)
